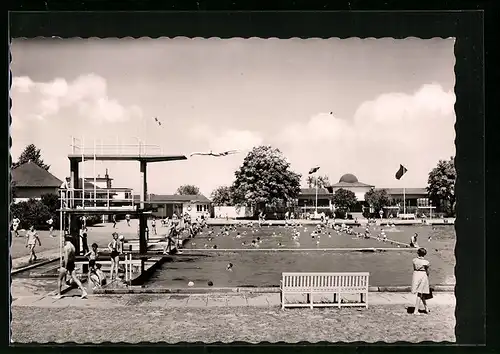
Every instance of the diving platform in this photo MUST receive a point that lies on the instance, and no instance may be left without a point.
(119, 150)
(126, 157)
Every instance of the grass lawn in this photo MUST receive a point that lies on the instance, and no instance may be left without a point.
(100, 234)
(135, 324)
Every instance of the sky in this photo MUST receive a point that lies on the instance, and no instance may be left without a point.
(360, 106)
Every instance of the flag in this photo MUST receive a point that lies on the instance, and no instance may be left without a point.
(402, 170)
(314, 169)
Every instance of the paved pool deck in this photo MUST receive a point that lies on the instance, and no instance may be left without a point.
(204, 300)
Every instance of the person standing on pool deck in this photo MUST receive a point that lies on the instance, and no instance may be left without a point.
(420, 280)
(69, 268)
(414, 241)
(115, 249)
(153, 225)
(114, 221)
(85, 245)
(50, 222)
(15, 226)
(127, 217)
(31, 241)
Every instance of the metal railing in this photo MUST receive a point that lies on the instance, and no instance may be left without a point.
(102, 198)
(117, 147)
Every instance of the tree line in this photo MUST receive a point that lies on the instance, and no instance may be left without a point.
(265, 179)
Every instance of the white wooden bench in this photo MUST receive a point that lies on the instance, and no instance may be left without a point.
(336, 284)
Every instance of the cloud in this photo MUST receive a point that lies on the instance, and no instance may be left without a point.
(87, 95)
(229, 139)
(415, 130)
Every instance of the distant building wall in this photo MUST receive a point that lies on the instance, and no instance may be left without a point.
(232, 212)
(34, 192)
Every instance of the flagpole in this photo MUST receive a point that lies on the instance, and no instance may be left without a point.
(404, 200)
(316, 195)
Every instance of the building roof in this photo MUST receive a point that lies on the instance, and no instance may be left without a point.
(30, 174)
(348, 178)
(312, 191)
(172, 198)
(348, 181)
(350, 185)
(399, 191)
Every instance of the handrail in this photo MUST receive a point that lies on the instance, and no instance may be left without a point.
(72, 198)
(118, 148)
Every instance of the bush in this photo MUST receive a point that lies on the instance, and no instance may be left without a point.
(340, 214)
(32, 213)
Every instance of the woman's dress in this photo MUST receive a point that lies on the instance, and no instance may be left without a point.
(420, 281)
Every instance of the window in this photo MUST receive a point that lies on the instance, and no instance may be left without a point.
(205, 207)
(199, 208)
(423, 202)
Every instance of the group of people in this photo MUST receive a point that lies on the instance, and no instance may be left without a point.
(97, 278)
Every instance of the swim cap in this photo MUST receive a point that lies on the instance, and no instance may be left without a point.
(190, 283)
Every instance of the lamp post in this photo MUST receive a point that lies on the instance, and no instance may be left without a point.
(430, 209)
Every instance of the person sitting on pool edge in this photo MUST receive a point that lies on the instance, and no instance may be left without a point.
(97, 276)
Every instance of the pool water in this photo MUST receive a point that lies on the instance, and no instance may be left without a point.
(263, 268)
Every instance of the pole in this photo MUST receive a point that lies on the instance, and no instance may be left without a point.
(404, 201)
(61, 231)
(316, 212)
(83, 173)
(95, 179)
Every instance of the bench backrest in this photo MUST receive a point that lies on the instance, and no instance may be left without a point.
(354, 281)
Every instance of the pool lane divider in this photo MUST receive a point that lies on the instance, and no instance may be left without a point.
(344, 249)
(248, 290)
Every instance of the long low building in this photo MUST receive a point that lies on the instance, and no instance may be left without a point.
(165, 205)
(415, 198)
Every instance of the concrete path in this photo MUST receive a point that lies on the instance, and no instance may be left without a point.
(206, 300)
(42, 256)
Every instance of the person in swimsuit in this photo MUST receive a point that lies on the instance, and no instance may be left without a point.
(50, 222)
(114, 221)
(97, 277)
(69, 268)
(420, 280)
(115, 249)
(414, 241)
(127, 217)
(31, 240)
(153, 225)
(15, 226)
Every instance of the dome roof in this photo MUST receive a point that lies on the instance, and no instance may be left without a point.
(348, 178)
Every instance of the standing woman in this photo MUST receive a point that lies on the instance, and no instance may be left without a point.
(115, 249)
(420, 280)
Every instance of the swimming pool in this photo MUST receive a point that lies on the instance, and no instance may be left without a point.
(263, 268)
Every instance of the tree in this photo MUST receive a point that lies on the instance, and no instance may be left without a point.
(265, 179)
(188, 189)
(31, 153)
(323, 181)
(441, 185)
(52, 202)
(344, 199)
(377, 199)
(222, 196)
(31, 213)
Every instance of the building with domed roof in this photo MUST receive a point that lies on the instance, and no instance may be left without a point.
(415, 198)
